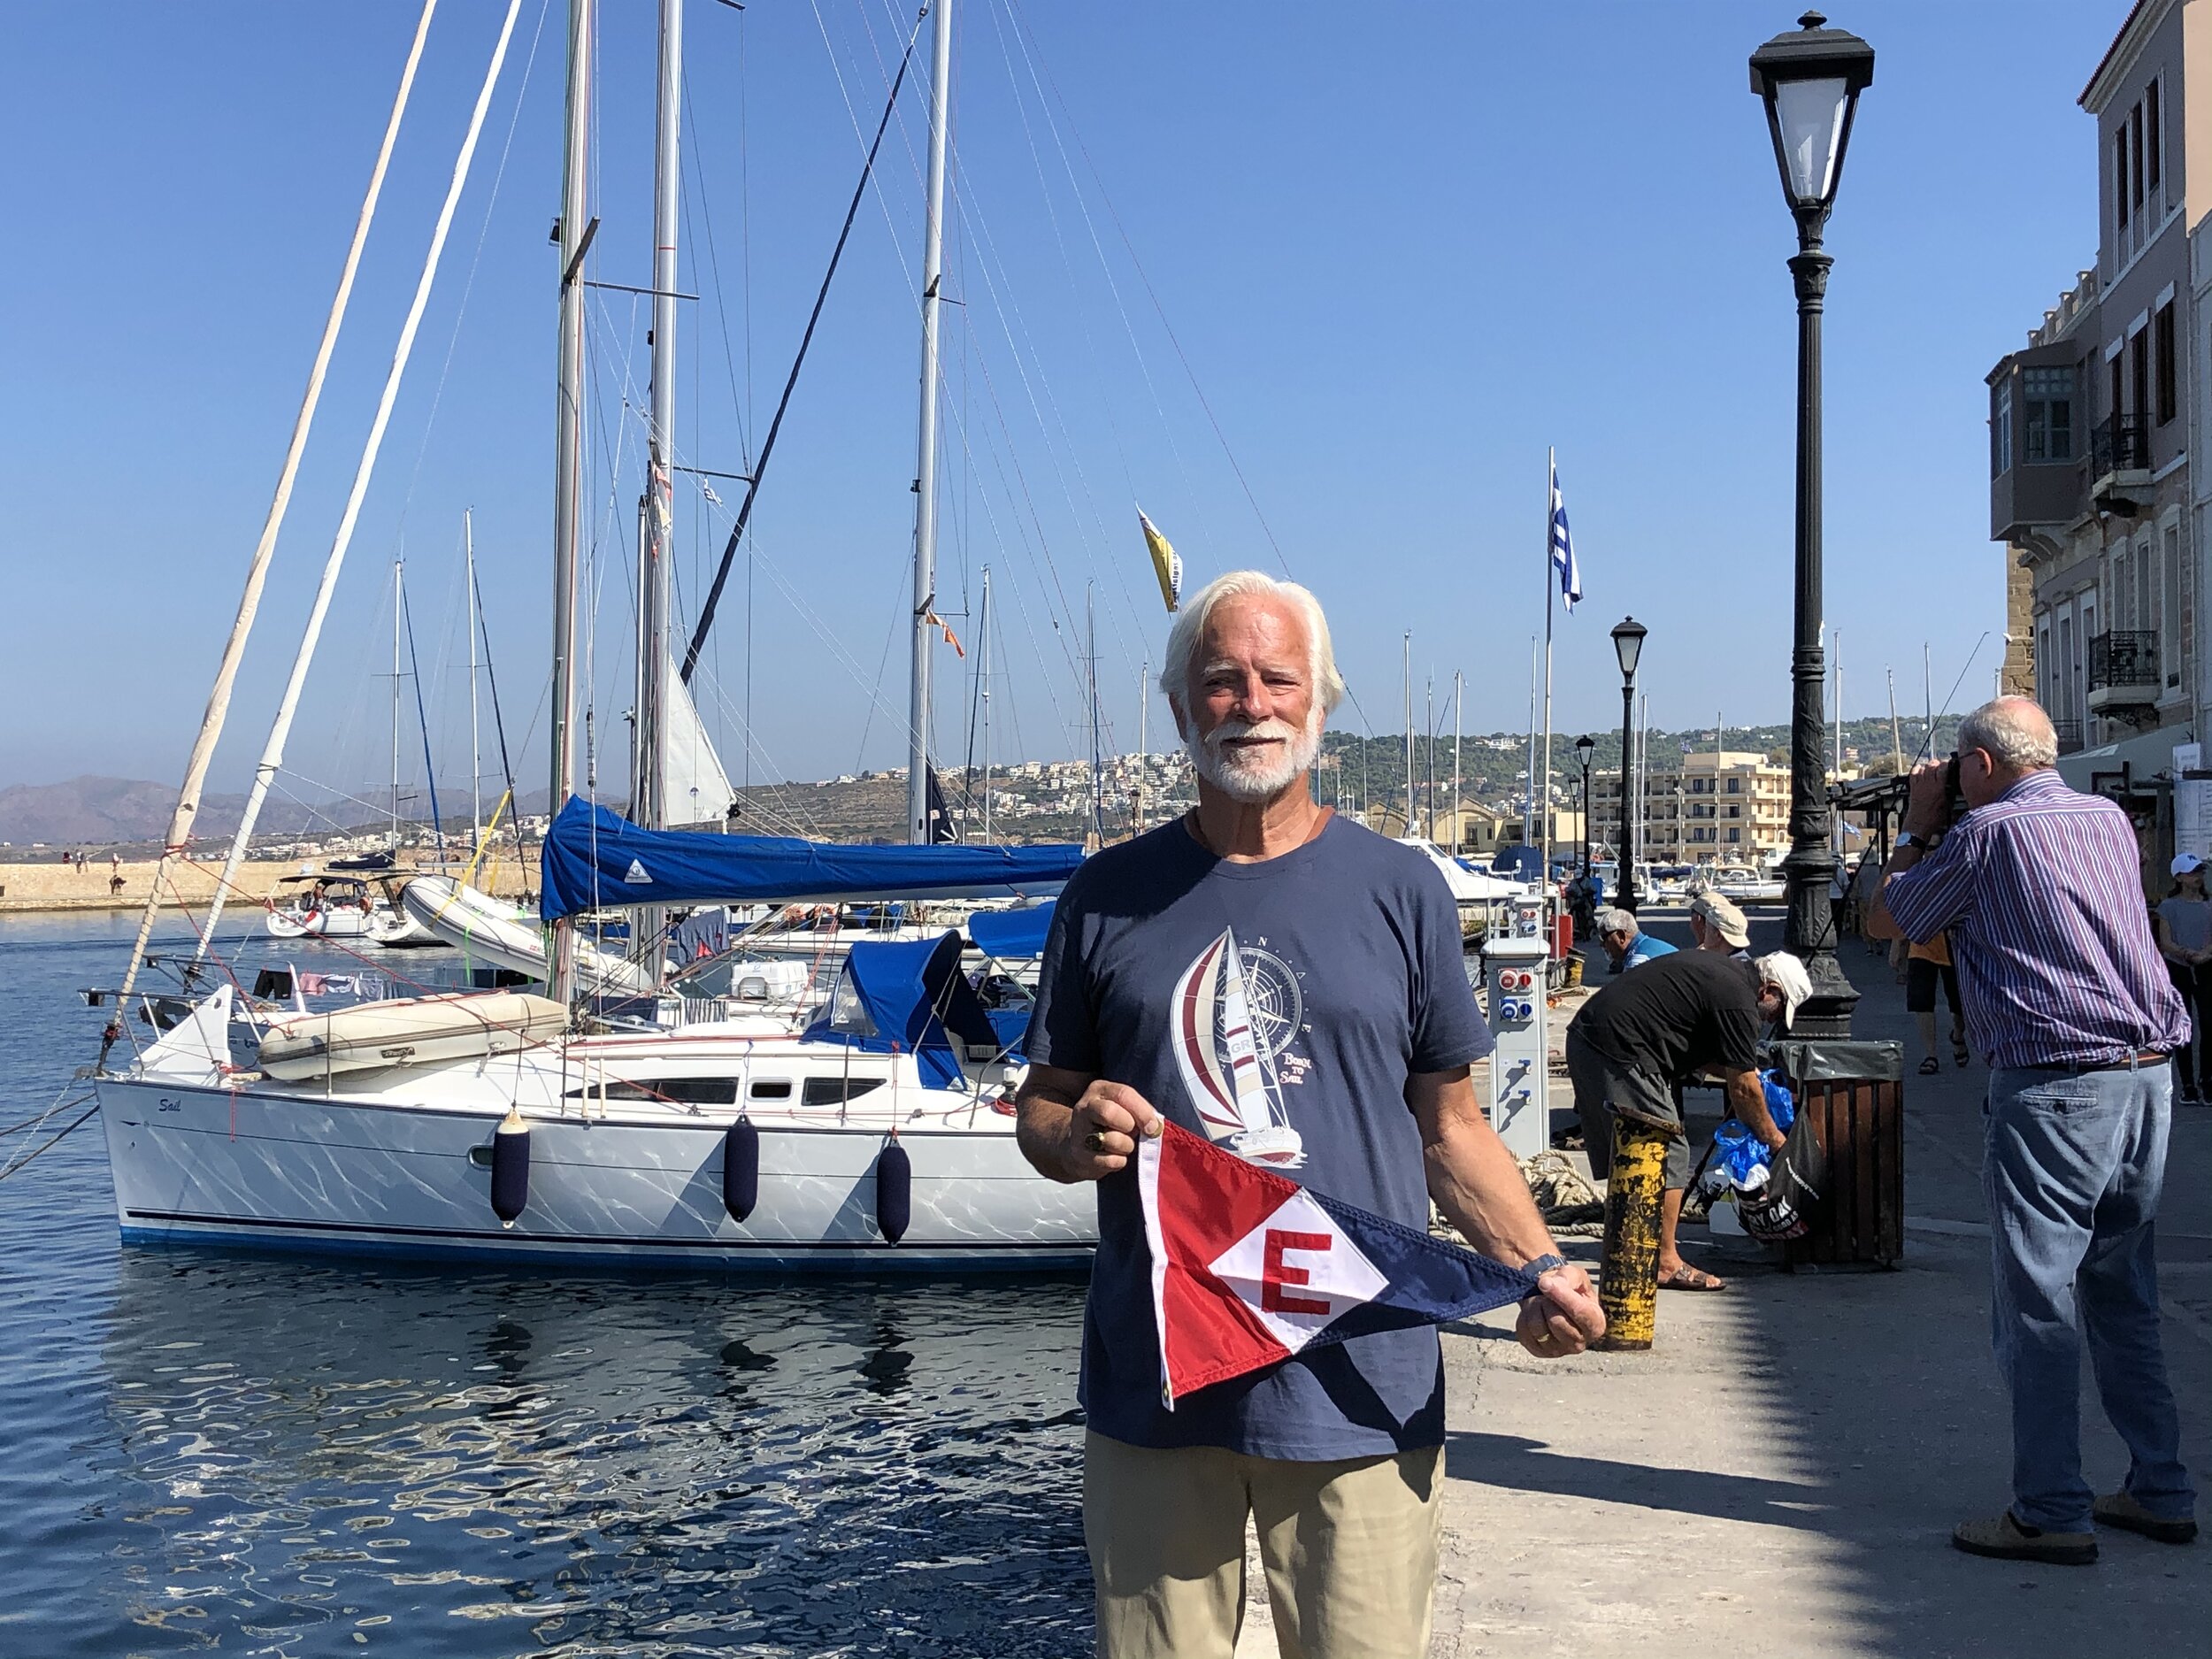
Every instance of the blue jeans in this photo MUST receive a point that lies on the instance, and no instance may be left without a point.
(2072, 1169)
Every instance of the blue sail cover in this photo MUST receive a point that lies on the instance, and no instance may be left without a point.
(1010, 935)
(907, 996)
(594, 859)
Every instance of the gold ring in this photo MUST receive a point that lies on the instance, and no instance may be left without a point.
(1094, 1141)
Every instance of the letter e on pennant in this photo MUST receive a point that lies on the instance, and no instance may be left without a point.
(1275, 1272)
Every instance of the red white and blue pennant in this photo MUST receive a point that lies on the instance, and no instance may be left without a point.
(1249, 1268)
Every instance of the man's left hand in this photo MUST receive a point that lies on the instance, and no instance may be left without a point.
(1563, 1317)
(1927, 800)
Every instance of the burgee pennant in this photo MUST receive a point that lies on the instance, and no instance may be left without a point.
(1249, 1268)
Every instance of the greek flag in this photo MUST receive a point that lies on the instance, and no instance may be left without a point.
(1564, 563)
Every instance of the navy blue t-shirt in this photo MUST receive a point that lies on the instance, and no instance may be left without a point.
(1341, 960)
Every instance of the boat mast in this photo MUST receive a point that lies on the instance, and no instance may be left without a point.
(984, 674)
(1459, 708)
(568, 445)
(918, 825)
(217, 709)
(649, 781)
(1428, 746)
(476, 764)
(1408, 685)
(399, 578)
(1098, 760)
(272, 759)
(1144, 738)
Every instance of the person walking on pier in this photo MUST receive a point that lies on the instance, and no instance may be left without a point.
(2041, 890)
(1260, 956)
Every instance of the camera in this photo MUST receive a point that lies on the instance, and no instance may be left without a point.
(1954, 806)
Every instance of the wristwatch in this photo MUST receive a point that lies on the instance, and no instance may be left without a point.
(1909, 838)
(1536, 1267)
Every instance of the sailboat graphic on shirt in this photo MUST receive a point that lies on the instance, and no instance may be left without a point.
(1231, 1084)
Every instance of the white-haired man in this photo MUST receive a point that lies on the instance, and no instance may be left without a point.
(1625, 942)
(2041, 891)
(1348, 949)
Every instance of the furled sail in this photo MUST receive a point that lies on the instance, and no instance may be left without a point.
(696, 791)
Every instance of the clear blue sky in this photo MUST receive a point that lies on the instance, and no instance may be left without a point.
(1402, 250)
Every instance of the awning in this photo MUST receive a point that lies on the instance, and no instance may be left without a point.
(1011, 935)
(907, 996)
(2145, 755)
(594, 859)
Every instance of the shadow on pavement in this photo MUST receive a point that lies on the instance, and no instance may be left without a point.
(1518, 1464)
(1882, 1399)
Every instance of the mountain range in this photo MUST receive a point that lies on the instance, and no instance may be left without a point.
(95, 811)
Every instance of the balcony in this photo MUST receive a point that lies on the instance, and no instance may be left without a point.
(2124, 676)
(2120, 464)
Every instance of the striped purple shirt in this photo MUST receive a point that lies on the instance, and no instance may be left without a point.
(2049, 928)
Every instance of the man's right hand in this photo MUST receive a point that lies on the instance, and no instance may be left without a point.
(1073, 1128)
(1104, 1129)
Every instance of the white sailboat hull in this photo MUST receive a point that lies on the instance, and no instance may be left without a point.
(298, 1171)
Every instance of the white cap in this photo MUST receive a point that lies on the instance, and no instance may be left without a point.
(2187, 863)
(1786, 974)
(1721, 915)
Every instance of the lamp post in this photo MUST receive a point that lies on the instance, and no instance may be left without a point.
(1583, 746)
(1810, 80)
(1628, 645)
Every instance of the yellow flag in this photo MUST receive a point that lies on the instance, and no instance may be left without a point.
(1165, 563)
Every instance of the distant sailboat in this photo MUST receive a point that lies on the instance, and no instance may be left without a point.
(1220, 1062)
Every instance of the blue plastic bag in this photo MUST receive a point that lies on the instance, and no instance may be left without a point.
(1737, 1152)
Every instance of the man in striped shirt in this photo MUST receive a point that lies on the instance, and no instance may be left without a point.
(2041, 891)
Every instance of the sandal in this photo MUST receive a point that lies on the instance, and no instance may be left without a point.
(1929, 1067)
(1958, 1048)
(1688, 1277)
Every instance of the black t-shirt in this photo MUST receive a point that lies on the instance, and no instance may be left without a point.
(1675, 1015)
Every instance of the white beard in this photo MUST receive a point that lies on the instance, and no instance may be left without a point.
(1256, 775)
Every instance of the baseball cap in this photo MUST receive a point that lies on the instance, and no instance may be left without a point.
(1786, 974)
(1724, 917)
(2185, 862)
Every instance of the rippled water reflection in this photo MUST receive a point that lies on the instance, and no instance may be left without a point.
(263, 1456)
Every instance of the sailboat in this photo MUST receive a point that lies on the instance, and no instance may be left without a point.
(518, 1128)
(1230, 1085)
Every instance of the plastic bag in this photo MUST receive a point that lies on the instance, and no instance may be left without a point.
(1740, 1162)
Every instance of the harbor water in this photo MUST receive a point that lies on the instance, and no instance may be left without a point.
(257, 1455)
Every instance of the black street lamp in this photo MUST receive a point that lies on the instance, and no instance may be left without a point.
(1583, 746)
(1810, 80)
(1628, 645)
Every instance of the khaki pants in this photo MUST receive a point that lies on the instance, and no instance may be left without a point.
(1349, 1548)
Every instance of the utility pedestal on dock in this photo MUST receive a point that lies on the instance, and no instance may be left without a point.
(1519, 1104)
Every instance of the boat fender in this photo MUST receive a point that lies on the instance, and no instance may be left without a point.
(510, 1167)
(895, 1191)
(740, 1169)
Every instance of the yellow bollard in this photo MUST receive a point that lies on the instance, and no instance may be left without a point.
(1628, 1279)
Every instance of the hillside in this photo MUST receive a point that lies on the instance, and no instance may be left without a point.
(1030, 801)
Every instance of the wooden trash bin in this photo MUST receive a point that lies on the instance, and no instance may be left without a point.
(1854, 1093)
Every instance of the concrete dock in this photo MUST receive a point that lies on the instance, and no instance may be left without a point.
(1781, 1473)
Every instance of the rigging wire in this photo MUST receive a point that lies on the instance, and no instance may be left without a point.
(783, 403)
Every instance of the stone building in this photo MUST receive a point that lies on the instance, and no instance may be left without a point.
(2091, 425)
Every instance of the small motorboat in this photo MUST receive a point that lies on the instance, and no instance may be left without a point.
(327, 907)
